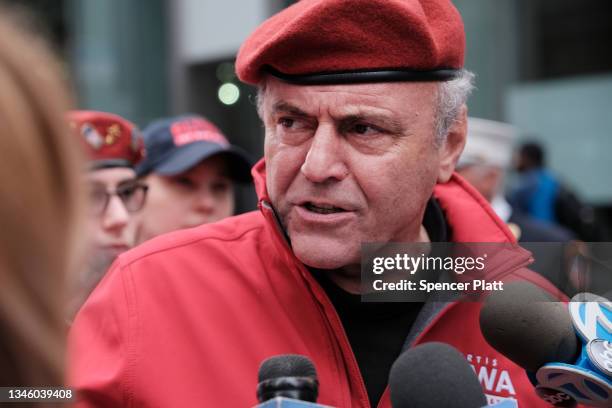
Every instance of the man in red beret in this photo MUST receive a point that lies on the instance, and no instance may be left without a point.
(113, 146)
(363, 104)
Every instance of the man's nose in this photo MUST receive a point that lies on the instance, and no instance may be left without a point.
(325, 158)
(116, 215)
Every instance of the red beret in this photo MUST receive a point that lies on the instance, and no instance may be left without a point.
(108, 139)
(349, 41)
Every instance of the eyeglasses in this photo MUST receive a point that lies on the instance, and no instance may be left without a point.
(132, 195)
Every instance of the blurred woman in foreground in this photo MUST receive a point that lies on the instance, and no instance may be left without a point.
(40, 211)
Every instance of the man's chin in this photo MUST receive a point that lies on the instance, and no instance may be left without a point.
(324, 253)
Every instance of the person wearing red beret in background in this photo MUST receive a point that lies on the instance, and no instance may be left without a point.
(113, 146)
(363, 104)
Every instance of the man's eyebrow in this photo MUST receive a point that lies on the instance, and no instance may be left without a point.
(282, 106)
(393, 125)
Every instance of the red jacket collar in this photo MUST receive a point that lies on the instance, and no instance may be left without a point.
(259, 176)
(471, 217)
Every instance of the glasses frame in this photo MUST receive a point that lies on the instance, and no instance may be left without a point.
(117, 192)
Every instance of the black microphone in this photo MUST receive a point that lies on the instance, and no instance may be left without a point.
(528, 326)
(434, 375)
(289, 376)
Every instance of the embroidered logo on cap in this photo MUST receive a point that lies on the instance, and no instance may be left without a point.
(196, 130)
(135, 141)
(91, 135)
(113, 133)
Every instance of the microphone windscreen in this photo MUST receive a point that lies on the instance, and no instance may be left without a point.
(434, 375)
(286, 365)
(528, 326)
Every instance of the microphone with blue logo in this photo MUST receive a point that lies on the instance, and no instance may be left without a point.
(567, 352)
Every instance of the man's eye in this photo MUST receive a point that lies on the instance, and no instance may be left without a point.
(286, 122)
(362, 129)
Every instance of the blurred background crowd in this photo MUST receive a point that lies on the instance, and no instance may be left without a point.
(540, 133)
(543, 66)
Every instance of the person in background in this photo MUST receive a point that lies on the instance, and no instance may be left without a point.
(537, 191)
(485, 162)
(190, 169)
(41, 211)
(541, 195)
(113, 146)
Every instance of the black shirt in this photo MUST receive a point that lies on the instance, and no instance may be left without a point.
(377, 331)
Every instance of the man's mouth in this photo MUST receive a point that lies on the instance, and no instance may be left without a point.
(322, 208)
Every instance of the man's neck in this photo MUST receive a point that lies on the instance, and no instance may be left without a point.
(348, 278)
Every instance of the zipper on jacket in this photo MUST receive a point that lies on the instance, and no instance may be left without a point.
(334, 321)
(329, 311)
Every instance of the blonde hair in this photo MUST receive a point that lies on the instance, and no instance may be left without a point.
(40, 209)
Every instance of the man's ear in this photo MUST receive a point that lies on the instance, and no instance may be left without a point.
(453, 145)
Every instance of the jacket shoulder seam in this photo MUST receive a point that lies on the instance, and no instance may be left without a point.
(128, 263)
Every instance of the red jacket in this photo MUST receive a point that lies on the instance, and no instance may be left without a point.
(185, 319)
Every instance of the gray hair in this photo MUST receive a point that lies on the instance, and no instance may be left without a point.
(452, 95)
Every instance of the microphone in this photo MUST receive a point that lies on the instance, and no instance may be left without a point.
(287, 380)
(526, 325)
(529, 327)
(428, 375)
(434, 375)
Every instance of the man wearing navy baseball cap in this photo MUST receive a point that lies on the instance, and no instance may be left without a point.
(190, 168)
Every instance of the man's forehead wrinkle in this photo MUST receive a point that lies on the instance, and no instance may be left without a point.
(375, 90)
(334, 108)
(310, 93)
(351, 90)
(283, 106)
(395, 108)
(378, 96)
(342, 114)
